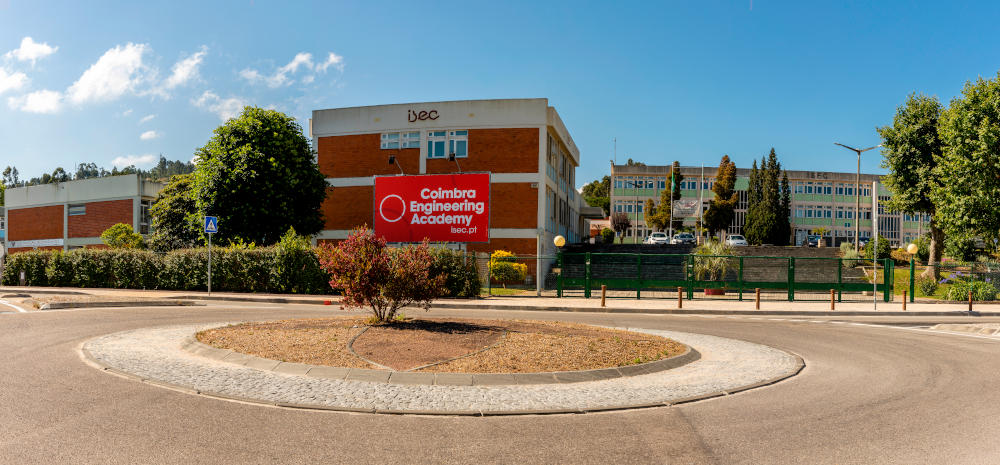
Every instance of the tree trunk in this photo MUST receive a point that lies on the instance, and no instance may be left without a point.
(936, 248)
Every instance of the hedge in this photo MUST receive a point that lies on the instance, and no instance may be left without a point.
(237, 270)
(278, 269)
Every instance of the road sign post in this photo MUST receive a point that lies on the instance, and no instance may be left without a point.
(211, 227)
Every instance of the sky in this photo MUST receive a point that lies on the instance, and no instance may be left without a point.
(118, 83)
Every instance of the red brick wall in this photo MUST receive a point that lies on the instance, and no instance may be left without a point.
(35, 223)
(28, 249)
(348, 207)
(509, 150)
(100, 216)
(495, 150)
(523, 247)
(360, 155)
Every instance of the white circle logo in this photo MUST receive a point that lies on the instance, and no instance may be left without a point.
(382, 210)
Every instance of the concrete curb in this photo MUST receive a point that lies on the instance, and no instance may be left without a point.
(121, 303)
(968, 328)
(193, 346)
(800, 365)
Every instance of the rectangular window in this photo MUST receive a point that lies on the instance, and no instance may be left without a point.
(827, 214)
(638, 208)
(662, 184)
(840, 190)
(628, 208)
(75, 210)
(145, 218)
(436, 142)
(618, 182)
(809, 213)
(390, 140)
(458, 143)
(410, 140)
(828, 190)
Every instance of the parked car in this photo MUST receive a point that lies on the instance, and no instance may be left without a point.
(736, 240)
(683, 238)
(812, 240)
(657, 238)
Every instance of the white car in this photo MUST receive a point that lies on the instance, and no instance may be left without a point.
(657, 238)
(736, 240)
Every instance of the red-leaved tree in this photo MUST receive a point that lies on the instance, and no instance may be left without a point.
(384, 279)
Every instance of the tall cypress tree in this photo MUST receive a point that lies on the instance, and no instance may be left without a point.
(784, 213)
(721, 209)
(753, 230)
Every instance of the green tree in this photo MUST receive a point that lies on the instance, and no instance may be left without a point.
(965, 199)
(784, 230)
(258, 175)
(122, 236)
(658, 216)
(598, 194)
(620, 222)
(912, 149)
(722, 209)
(175, 216)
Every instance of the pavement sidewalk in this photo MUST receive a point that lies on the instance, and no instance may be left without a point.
(574, 304)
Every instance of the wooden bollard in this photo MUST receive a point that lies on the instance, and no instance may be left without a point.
(904, 300)
(833, 300)
(970, 301)
(756, 299)
(604, 293)
(680, 297)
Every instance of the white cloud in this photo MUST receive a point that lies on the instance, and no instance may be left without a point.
(251, 75)
(31, 51)
(134, 160)
(42, 101)
(301, 61)
(149, 135)
(186, 69)
(118, 71)
(225, 108)
(12, 81)
(146, 119)
(127, 112)
(334, 60)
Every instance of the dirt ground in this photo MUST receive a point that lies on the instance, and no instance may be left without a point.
(449, 345)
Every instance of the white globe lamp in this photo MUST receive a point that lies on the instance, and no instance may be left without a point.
(559, 241)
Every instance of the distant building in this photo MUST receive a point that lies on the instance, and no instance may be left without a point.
(522, 143)
(819, 199)
(71, 215)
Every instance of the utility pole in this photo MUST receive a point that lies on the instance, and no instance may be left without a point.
(857, 193)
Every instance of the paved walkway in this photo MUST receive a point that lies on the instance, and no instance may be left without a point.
(726, 365)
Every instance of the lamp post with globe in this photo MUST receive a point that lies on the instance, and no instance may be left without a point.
(912, 250)
(559, 241)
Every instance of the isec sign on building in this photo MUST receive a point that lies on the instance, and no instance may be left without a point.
(439, 207)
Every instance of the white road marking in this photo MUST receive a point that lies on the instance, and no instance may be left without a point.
(15, 307)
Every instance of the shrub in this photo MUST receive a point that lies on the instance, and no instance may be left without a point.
(32, 263)
(923, 248)
(608, 236)
(296, 268)
(59, 269)
(711, 260)
(883, 248)
(900, 256)
(385, 280)
(928, 286)
(504, 269)
(981, 291)
(122, 236)
(461, 277)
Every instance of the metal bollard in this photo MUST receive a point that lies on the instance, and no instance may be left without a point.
(904, 300)
(970, 301)
(604, 293)
(757, 298)
(832, 300)
(680, 297)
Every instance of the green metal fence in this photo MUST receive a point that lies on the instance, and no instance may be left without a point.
(724, 277)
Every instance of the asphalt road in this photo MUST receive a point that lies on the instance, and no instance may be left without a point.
(868, 395)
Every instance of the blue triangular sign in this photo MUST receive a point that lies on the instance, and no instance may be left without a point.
(211, 224)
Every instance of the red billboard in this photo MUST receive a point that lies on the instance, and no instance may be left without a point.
(439, 207)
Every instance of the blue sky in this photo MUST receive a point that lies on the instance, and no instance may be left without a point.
(686, 81)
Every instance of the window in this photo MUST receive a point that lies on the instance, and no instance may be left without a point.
(436, 141)
(649, 183)
(400, 140)
(828, 190)
(809, 188)
(458, 143)
(145, 218)
(618, 182)
(75, 210)
(799, 189)
(840, 189)
(662, 184)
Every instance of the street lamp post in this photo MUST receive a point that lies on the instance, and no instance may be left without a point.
(857, 193)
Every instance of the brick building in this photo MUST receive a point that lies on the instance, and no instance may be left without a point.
(71, 215)
(522, 143)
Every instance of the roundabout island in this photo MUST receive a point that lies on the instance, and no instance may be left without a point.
(440, 366)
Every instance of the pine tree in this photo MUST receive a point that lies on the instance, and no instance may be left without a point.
(721, 210)
(785, 212)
